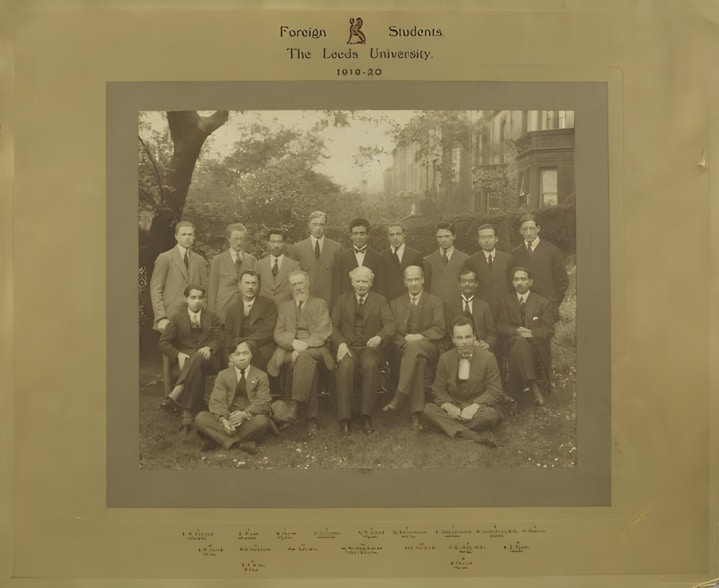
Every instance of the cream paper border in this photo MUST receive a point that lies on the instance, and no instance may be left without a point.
(660, 522)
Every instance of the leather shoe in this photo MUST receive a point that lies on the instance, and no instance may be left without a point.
(247, 447)
(367, 427)
(414, 422)
(312, 427)
(395, 403)
(536, 394)
(169, 405)
(345, 428)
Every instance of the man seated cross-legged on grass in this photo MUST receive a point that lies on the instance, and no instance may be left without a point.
(239, 405)
(467, 389)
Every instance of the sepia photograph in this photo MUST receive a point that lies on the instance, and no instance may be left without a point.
(357, 289)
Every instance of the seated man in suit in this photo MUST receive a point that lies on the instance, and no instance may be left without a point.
(275, 267)
(239, 404)
(302, 331)
(174, 270)
(477, 311)
(442, 267)
(397, 257)
(225, 271)
(194, 338)
(359, 255)
(526, 321)
(253, 317)
(467, 389)
(420, 329)
(362, 326)
(491, 267)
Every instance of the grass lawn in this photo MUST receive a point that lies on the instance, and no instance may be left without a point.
(527, 438)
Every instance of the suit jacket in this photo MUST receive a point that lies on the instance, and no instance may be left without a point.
(378, 318)
(484, 385)
(431, 310)
(263, 318)
(394, 270)
(224, 398)
(276, 287)
(347, 261)
(548, 271)
(440, 279)
(319, 322)
(538, 316)
(180, 337)
(482, 318)
(169, 279)
(321, 270)
(224, 283)
(492, 283)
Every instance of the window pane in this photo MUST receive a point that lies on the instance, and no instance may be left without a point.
(549, 187)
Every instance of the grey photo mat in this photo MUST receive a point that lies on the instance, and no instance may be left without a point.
(587, 484)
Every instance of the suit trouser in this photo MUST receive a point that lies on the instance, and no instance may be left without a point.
(486, 418)
(368, 360)
(192, 377)
(521, 361)
(414, 356)
(304, 378)
(252, 429)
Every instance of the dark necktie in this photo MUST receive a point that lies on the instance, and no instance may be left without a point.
(275, 268)
(396, 256)
(242, 383)
(195, 322)
(445, 258)
(489, 261)
(522, 304)
(317, 249)
(360, 250)
(186, 259)
(467, 307)
(529, 248)
(238, 263)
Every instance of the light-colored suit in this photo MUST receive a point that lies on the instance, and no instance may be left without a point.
(223, 286)
(276, 287)
(321, 270)
(169, 279)
(440, 279)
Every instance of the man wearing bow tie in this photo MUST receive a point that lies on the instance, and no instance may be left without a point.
(193, 337)
(275, 267)
(442, 267)
(362, 327)
(420, 329)
(359, 255)
(526, 321)
(225, 271)
(468, 305)
(397, 257)
(239, 405)
(174, 270)
(491, 267)
(467, 389)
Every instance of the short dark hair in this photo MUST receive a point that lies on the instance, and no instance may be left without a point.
(528, 217)
(275, 231)
(445, 225)
(235, 342)
(359, 222)
(520, 268)
(467, 270)
(461, 321)
(397, 224)
(487, 226)
(189, 288)
(181, 224)
(249, 272)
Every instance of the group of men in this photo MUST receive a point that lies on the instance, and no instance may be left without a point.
(313, 317)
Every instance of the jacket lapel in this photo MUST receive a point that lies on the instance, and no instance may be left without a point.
(179, 262)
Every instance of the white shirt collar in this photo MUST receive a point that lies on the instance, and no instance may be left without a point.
(235, 254)
(238, 371)
(194, 315)
(448, 252)
(521, 297)
(182, 250)
(533, 244)
(489, 253)
(315, 239)
(277, 259)
(399, 251)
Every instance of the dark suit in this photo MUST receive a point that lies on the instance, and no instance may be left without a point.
(483, 387)
(321, 270)
(481, 316)
(394, 284)
(493, 282)
(411, 357)
(258, 328)
(549, 275)
(226, 397)
(376, 320)
(178, 337)
(276, 287)
(347, 261)
(440, 279)
(538, 316)
(314, 326)
(169, 279)
(224, 282)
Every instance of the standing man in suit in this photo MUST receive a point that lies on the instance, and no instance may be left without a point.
(442, 267)
(194, 338)
(239, 405)
(526, 321)
(360, 254)
(544, 260)
(467, 389)
(362, 326)
(420, 329)
(175, 270)
(274, 269)
(491, 267)
(317, 256)
(302, 331)
(253, 318)
(397, 258)
(225, 271)
(477, 311)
